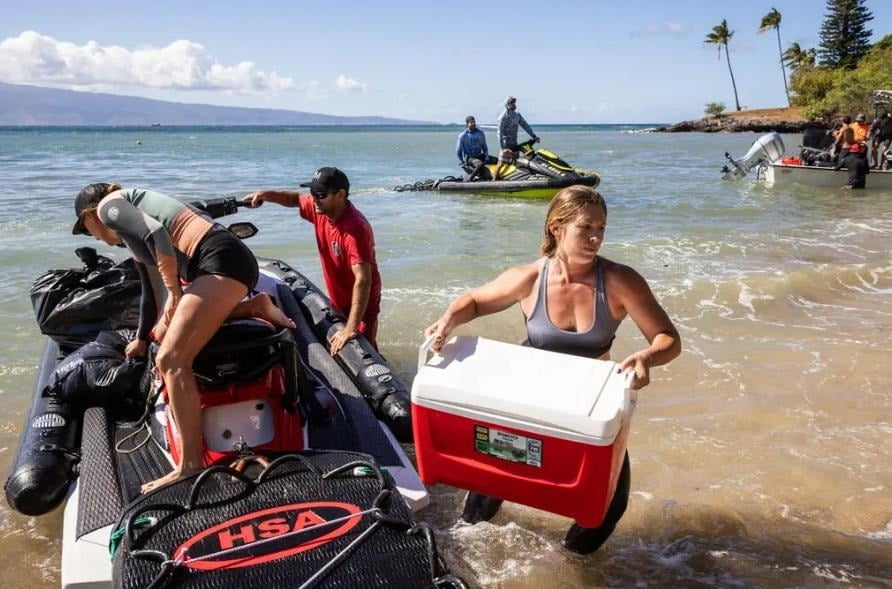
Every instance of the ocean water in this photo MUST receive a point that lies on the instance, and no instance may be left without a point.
(760, 457)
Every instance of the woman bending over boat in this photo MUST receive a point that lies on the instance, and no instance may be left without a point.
(573, 301)
(183, 244)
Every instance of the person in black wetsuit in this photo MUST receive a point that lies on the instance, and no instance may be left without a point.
(573, 300)
(857, 165)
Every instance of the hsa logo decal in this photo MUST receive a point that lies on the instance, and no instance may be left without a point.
(255, 533)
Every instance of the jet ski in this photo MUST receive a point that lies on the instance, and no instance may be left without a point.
(304, 483)
(535, 173)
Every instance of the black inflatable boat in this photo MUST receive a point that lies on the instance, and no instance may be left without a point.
(312, 488)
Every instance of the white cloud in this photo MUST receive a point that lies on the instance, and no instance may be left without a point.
(669, 27)
(346, 84)
(674, 27)
(182, 65)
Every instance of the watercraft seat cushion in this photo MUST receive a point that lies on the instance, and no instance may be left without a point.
(241, 350)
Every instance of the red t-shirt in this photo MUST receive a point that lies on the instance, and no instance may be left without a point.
(343, 244)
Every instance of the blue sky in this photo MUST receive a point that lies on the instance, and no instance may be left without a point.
(567, 62)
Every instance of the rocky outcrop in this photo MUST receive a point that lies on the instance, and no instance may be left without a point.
(742, 123)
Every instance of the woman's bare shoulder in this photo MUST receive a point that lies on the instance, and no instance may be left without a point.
(621, 276)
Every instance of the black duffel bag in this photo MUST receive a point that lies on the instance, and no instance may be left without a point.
(98, 374)
(72, 306)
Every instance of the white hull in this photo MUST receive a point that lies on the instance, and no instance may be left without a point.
(823, 177)
(86, 563)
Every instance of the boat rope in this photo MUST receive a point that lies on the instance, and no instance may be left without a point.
(119, 444)
(425, 184)
(126, 529)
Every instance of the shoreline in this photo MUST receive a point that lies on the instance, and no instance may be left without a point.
(782, 120)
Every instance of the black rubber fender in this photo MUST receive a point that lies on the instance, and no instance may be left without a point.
(47, 456)
(388, 397)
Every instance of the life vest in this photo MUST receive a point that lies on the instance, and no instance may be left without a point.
(860, 131)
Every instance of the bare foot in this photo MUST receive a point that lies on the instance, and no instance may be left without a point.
(263, 307)
(171, 477)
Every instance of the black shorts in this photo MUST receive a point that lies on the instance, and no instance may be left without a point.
(220, 252)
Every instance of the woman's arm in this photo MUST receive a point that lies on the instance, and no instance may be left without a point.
(119, 214)
(641, 305)
(509, 288)
(148, 313)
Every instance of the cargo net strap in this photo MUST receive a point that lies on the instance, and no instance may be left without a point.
(136, 522)
(425, 184)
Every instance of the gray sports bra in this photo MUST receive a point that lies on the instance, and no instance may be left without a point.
(594, 343)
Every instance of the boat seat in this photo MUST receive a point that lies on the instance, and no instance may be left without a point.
(242, 350)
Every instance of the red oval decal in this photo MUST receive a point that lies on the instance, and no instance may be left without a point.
(263, 536)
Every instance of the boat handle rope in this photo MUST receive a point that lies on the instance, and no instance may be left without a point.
(429, 184)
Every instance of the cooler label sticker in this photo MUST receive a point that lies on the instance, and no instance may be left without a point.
(508, 446)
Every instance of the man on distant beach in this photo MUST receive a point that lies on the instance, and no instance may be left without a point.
(845, 137)
(346, 249)
(860, 128)
(472, 151)
(508, 122)
(856, 164)
(880, 135)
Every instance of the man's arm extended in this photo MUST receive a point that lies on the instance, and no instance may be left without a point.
(286, 198)
(362, 287)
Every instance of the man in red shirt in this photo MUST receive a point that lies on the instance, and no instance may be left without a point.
(346, 249)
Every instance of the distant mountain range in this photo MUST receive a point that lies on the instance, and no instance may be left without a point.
(32, 105)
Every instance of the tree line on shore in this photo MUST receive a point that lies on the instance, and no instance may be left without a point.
(837, 77)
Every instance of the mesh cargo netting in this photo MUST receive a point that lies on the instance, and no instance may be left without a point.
(314, 519)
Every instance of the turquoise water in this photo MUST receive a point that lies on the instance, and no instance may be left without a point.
(759, 458)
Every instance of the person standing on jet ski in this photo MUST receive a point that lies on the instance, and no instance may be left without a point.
(509, 120)
(472, 152)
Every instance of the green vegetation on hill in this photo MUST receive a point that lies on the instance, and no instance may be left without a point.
(824, 91)
(839, 76)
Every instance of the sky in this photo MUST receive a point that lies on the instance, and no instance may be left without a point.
(632, 61)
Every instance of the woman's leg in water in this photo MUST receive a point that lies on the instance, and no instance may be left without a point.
(206, 303)
(587, 540)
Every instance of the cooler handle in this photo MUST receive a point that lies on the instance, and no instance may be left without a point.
(630, 395)
(423, 351)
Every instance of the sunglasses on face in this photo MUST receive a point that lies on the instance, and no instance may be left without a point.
(319, 195)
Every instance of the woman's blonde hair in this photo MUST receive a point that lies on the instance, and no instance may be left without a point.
(564, 208)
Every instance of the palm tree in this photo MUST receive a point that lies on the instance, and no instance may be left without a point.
(772, 20)
(795, 57)
(719, 36)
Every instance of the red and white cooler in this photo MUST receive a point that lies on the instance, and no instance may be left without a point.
(539, 428)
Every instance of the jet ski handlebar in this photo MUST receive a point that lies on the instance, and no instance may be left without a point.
(219, 207)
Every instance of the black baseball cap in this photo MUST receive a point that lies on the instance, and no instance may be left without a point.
(87, 199)
(328, 180)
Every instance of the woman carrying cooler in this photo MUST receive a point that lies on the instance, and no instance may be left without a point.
(183, 243)
(573, 301)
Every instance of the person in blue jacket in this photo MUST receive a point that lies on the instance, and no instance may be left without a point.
(471, 150)
(508, 122)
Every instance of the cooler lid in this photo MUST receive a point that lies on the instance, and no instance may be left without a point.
(554, 394)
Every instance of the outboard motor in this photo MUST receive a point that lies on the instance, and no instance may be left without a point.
(766, 149)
